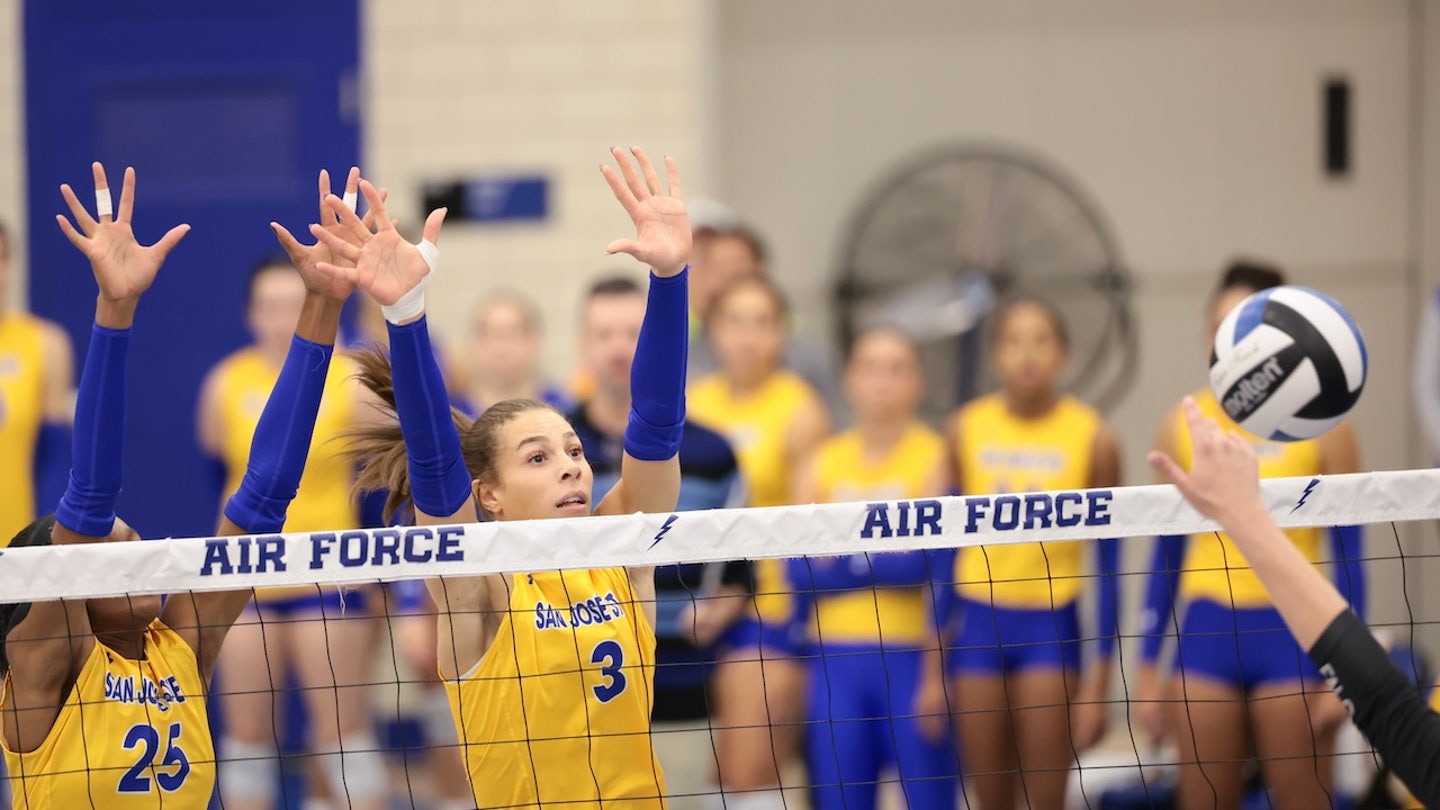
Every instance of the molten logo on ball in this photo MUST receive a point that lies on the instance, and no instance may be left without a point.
(1288, 364)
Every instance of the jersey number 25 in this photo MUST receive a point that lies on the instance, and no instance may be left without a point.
(147, 739)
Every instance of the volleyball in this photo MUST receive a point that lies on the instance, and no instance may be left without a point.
(1288, 363)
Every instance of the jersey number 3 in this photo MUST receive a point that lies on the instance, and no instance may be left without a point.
(147, 739)
(611, 657)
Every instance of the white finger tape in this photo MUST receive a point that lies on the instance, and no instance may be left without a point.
(102, 203)
(350, 199)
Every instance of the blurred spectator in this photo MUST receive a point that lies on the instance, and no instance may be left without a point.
(324, 638)
(872, 625)
(1025, 702)
(774, 419)
(696, 604)
(725, 253)
(502, 358)
(36, 378)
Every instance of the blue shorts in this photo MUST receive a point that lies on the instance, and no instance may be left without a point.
(749, 633)
(1000, 640)
(325, 601)
(1244, 647)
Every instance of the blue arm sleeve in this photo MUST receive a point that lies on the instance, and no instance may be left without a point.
(1107, 602)
(657, 375)
(1348, 543)
(88, 505)
(282, 440)
(439, 480)
(1160, 589)
(52, 466)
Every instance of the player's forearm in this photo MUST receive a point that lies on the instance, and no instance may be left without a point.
(88, 506)
(319, 319)
(1306, 601)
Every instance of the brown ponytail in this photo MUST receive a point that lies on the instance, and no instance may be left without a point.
(380, 450)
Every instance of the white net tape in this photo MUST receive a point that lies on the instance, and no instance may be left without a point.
(227, 563)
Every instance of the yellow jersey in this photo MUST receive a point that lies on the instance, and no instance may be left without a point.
(844, 474)
(22, 409)
(131, 734)
(557, 712)
(1003, 453)
(757, 426)
(324, 499)
(1214, 568)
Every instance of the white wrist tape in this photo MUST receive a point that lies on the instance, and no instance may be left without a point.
(413, 303)
(350, 199)
(102, 203)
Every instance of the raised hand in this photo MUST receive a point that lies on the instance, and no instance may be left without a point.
(123, 267)
(662, 225)
(307, 257)
(382, 263)
(1224, 480)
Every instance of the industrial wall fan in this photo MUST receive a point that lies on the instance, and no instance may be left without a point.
(948, 234)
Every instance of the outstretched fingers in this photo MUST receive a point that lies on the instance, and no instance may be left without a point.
(369, 219)
(376, 205)
(76, 238)
(102, 193)
(348, 220)
(77, 210)
(127, 195)
(632, 179)
(673, 175)
(168, 242)
(652, 180)
(338, 245)
(433, 223)
(288, 242)
(346, 274)
(617, 187)
(352, 184)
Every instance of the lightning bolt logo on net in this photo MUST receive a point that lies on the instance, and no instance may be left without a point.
(664, 530)
(1304, 496)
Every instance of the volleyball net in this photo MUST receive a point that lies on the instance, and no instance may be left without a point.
(376, 559)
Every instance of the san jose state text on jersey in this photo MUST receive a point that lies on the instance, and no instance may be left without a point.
(143, 691)
(1001, 513)
(595, 610)
(262, 554)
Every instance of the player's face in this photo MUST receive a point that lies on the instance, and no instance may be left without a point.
(122, 614)
(1219, 308)
(1028, 351)
(276, 299)
(540, 468)
(748, 331)
(883, 379)
(503, 343)
(611, 332)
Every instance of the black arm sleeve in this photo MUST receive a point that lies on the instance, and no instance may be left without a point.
(1387, 706)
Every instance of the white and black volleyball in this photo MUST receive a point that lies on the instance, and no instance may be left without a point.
(1288, 363)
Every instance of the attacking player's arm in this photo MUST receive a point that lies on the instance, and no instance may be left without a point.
(395, 273)
(1088, 718)
(650, 468)
(1224, 486)
(47, 642)
(281, 441)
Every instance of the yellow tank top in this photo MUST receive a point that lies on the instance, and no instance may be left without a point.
(324, 500)
(132, 734)
(1001, 453)
(844, 474)
(557, 713)
(22, 407)
(757, 426)
(1214, 568)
